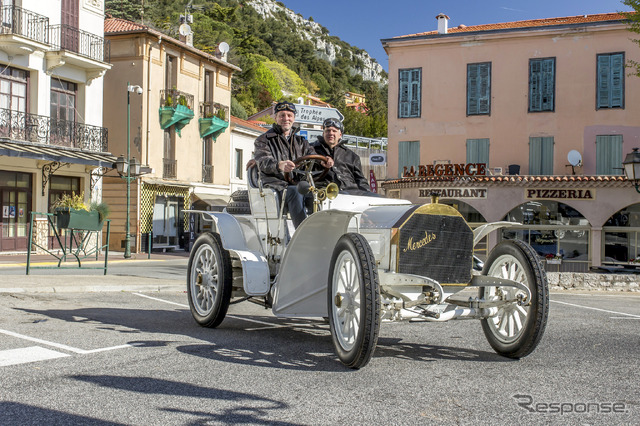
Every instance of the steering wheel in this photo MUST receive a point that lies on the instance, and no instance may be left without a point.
(306, 163)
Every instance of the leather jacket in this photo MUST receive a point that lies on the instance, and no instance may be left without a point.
(347, 168)
(272, 147)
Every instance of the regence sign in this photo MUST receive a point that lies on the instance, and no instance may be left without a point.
(469, 169)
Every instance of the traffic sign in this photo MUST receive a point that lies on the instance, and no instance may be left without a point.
(309, 114)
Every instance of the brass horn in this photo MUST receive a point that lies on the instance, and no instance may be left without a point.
(330, 192)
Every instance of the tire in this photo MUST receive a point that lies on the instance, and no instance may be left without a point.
(516, 330)
(240, 195)
(353, 300)
(238, 207)
(209, 280)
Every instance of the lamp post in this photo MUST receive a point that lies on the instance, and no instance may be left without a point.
(631, 165)
(129, 168)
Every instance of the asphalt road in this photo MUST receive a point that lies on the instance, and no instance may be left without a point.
(139, 358)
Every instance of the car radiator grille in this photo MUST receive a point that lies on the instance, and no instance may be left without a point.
(437, 246)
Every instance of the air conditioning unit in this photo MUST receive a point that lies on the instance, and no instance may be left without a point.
(497, 171)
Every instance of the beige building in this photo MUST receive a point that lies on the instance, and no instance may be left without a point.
(179, 117)
(523, 121)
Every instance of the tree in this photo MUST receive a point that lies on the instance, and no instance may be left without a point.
(130, 10)
(634, 26)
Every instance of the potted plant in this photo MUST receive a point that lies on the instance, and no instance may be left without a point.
(72, 213)
(554, 259)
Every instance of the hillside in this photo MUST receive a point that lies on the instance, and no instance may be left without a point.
(282, 54)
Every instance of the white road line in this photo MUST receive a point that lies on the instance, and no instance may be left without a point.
(597, 309)
(230, 316)
(64, 347)
(26, 355)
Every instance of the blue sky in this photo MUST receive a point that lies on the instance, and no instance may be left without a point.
(363, 23)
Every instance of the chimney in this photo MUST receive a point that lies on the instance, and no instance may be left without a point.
(443, 23)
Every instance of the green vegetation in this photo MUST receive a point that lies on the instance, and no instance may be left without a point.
(634, 26)
(276, 61)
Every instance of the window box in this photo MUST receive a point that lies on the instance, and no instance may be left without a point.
(212, 126)
(178, 116)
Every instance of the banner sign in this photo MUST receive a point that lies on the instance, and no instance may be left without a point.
(457, 193)
(373, 183)
(559, 194)
(469, 169)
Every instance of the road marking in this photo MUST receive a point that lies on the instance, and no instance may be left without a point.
(65, 347)
(162, 300)
(26, 355)
(625, 318)
(598, 309)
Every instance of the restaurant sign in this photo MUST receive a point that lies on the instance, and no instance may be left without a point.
(456, 193)
(559, 194)
(429, 170)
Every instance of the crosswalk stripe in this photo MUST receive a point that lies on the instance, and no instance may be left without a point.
(28, 354)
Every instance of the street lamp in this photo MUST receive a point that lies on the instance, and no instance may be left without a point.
(129, 168)
(631, 165)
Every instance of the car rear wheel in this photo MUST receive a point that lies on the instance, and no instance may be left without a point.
(209, 280)
(354, 301)
(516, 330)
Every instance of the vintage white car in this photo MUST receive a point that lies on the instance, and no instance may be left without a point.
(360, 261)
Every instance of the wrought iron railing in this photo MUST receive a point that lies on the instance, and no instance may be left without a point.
(19, 21)
(45, 130)
(169, 168)
(65, 37)
(211, 109)
(207, 173)
(173, 97)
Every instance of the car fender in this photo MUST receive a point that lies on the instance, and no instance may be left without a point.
(300, 289)
(255, 268)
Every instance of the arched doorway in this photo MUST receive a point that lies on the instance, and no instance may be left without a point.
(557, 232)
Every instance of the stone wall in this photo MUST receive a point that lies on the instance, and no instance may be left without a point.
(584, 281)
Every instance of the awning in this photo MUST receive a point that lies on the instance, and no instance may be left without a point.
(212, 196)
(56, 153)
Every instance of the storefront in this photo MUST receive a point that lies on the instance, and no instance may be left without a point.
(573, 222)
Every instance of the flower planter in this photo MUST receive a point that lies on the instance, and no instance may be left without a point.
(554, 261)
(212, 126)
(67, 218)
(166, 114)
(178, 117)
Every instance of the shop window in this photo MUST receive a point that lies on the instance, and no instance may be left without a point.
(409, 96)
(609, 155)
(622, 236)
(542, 80)
(478, 151)
(541, 156)
(610, 81)
(408, 155)
(479, 88)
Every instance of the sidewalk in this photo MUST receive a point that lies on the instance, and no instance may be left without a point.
(56, 280)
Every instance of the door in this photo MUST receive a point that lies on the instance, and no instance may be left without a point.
(15, 219)
(172, 222)
(69, 35)
(166, 223)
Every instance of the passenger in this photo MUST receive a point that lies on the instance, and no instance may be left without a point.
(347, 169)
(275, 153)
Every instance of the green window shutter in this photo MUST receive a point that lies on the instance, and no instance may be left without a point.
(478, 151)
(408, 155)
(479, 88)
(609, 155)
(610, 84)
(541, 156)
(535, 99)
(409, 96)
(541, 84)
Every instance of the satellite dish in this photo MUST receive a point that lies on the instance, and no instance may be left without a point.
(574, 157)
(223, 47)
(184, 30)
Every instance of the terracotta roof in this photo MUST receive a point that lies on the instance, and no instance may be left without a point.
(247, 124)
(532, 23)
(118, 26)
(513, 179)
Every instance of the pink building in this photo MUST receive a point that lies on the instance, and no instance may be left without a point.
(523, 121)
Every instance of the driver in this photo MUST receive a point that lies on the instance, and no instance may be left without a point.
(275, 153)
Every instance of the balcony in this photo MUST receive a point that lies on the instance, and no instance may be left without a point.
(207, 173)
(214, 119)
(23, 31)
(65, 37)
(176, 109)
(21, 126)
(169, 168)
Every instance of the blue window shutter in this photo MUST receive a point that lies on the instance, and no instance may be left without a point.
(548, 84)
(541, 155)
(479, 88)
(609, 155)
(478, 151)
(541, 84)
(535, 99)
(409, 96)
(547, 156)
(408, 155)
(617, 80)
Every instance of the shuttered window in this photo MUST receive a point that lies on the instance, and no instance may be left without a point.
(479, 88)
(610, 84)
(541, 156)
(542, 81)
(478, 151)
(408, 155)
(409, 96)
(609, 155)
